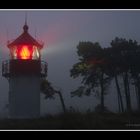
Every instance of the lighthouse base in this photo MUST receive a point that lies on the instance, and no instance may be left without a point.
(24, 97)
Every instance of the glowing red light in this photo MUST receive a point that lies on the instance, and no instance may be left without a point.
(25, 52)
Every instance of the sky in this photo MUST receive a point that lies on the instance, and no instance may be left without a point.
(61, 31)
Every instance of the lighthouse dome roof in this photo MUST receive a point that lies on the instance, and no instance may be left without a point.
(25, 38)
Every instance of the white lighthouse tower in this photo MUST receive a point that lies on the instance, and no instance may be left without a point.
(24, 71)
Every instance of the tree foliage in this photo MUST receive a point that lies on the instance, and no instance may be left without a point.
(47, 89)
(49, 92)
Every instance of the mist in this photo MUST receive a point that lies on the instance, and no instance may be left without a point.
(61, 32)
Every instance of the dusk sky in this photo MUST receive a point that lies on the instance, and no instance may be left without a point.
(61, 31)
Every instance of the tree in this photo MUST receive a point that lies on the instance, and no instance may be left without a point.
(92, 69)
(134, 57)
(125, 55)
(113, 70)
(49, 91)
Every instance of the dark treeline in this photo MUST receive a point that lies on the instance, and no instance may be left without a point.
(99, 67)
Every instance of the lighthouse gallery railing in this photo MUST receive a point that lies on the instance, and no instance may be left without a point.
(6, 68)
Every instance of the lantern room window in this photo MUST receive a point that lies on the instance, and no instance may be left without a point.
(25, 52)
(36, 53)
(13, 52)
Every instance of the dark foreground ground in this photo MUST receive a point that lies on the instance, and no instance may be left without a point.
(76, 120)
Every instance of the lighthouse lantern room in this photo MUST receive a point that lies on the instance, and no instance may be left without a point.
(24, 71)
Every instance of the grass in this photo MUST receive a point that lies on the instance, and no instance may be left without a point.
(76, 120)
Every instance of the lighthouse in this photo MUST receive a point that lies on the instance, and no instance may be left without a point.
(24, 71)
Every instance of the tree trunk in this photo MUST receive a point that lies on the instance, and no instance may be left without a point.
(102, 93)
(62, 101)
(138, 98)
(137, 90)
(127, 92)
(120, 101)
